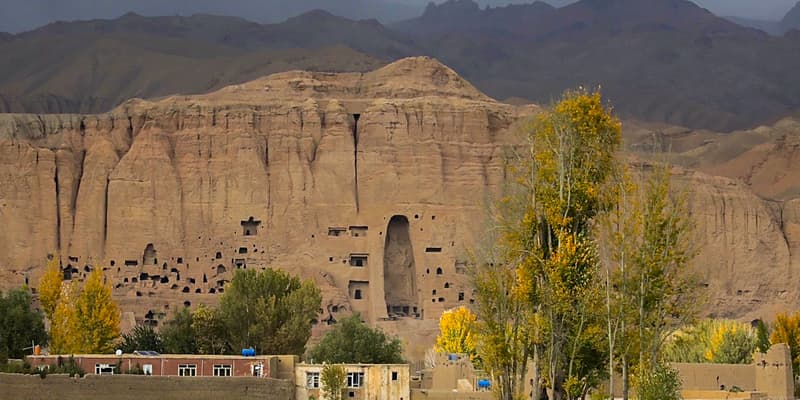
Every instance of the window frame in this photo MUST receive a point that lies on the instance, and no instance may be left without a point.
(355, 380)
(312, 380)
(222, 370)
(187, 369)
(99, 367)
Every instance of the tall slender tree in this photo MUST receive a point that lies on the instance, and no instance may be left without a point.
(85, 319)
(63, 324)
(560, 183)
(97, 315)
(648, 284)
(50, 287)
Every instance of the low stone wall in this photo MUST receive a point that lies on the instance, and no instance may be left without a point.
(138, 387)
(712, 376)
(426, 394)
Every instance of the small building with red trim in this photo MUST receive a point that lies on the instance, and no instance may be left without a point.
(149, 363)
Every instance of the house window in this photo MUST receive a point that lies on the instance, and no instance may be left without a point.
(312, 380)
(147, 369)
(187, 370)
(355, 379)
(222, 370)
(394, 375)
(104, 369)
(357, 294)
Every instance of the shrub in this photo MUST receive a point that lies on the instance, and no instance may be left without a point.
(661, 382)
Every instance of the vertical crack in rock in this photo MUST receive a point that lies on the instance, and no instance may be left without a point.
(74, 204)
(130, 128)
(782, 228)
(58, 206)
(105, 214)
(355, 157)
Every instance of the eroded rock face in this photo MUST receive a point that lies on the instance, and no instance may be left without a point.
(745, 254)
(300, 171)
(373, 185)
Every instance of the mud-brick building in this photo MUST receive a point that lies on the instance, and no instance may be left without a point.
(363, 382)
(176, 364)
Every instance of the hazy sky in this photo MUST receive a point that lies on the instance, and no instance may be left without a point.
(20, 15)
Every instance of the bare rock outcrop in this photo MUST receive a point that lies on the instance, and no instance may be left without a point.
(373, 185)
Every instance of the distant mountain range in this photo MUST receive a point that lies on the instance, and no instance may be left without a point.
(660, 60)
(94, 65)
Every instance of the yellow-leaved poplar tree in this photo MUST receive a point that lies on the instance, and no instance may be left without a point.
(50, 287)
(538, 297)
(97, 315)
(457, 332)
(63, 325)
(85, 320)
(787, 330)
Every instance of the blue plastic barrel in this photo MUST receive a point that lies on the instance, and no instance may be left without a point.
(484, 383)
(249, 352)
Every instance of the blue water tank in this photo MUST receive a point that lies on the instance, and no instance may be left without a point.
(452, 357)
(484, 383)
(249, 352)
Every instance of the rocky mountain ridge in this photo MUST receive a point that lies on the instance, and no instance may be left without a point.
(658, 60)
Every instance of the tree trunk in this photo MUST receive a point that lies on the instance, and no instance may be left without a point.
(536, 385)
(624, 378)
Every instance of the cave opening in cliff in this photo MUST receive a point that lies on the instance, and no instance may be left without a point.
(399, 270)
(149, 256)
(358, 260)
(250, 226)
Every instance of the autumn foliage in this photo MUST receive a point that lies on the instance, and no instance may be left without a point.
(83, 318)
(457, 332)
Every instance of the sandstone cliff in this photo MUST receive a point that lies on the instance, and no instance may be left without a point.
(371, 184)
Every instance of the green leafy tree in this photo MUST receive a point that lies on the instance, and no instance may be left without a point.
(352, 341)
(762, 336)
(177, 334)
(649, 290)
(333, 381)
(269, 310)
(209, 331)
(660, 382)
(19, 324)
(141, 337)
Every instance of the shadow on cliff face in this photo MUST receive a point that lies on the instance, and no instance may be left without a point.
(398, 269)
